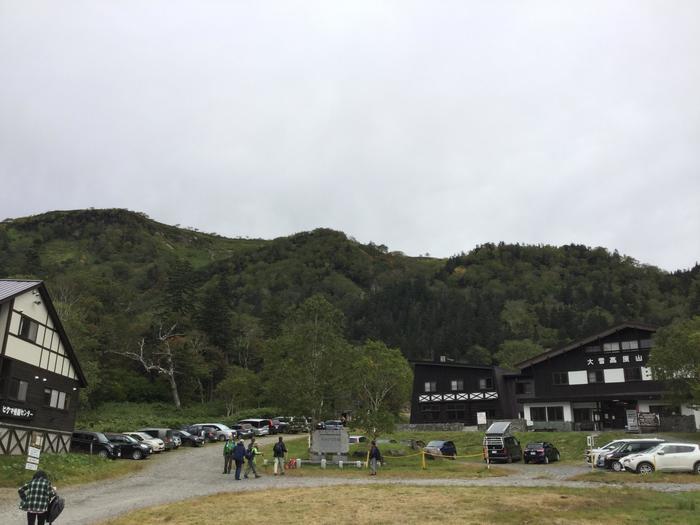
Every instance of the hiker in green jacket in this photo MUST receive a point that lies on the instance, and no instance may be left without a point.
(228, 454)
(251, 453)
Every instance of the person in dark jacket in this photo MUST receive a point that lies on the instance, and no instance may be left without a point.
(228, 454)
(279, 451)
(35, 497)
(239, 457)
(375, 456)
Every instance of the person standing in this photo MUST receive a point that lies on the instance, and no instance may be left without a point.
(251, 453)
(35, 497)
(228, 454)
(375, 456)
(278, 452)
(239, 453)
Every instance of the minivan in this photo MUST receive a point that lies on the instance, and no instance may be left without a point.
(261, 427)
(165, 434)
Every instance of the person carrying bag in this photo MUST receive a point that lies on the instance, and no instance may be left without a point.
(36, 498)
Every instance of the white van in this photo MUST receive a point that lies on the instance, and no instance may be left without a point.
(261, 427)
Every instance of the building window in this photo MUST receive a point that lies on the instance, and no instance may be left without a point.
(538, 414)
(485, 383)
(456, 411)
(595, 376)
(646, 343)
(457, 385)
(56, 399)
(611, 347)
(555, 413)
(629, 345)
(523, 388)
(592, 349)
(430, 386)
(430, 412)
(633, 374)
(28, 328)
(582, 415)
(560, 378)
(665, 410)
(18, 389)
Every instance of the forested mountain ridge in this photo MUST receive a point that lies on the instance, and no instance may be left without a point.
(116, 274)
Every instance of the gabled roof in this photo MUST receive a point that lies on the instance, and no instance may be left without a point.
(577, 344)
(10, 288)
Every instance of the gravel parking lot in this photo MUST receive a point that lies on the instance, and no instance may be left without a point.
(189, 472)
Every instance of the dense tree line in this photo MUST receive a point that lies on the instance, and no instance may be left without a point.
(118, 277)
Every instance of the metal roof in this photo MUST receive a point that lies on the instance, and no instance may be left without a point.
(10, 287)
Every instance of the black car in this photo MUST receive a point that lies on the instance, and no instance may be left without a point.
(541, 452)
(612, 460)
(502, 448)
(190, 439)
(243, 430)
(203, 431)
(440, 448)
(89, 442)
(129, 447)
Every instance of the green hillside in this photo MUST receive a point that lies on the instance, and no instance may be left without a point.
(116, 276)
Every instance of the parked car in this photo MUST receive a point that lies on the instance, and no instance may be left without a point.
(502, 448)
(177, 441)
(282, 423)
(223, 432)
(261, 427)
(667, 457)
(155, 443)
(541, 452)
(440, 448)
(189, 439)
(357, 439)
(94, 443)
(243, 430)
(589, 454)
(130, 447)
(333, 424)
(165, 434)
(612, 459)
(205, 432)
(297, 424)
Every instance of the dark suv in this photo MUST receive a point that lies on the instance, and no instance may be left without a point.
(89, 442)
(502, 448)
(129, 447)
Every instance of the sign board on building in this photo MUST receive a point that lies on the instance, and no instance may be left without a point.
(481, 418)
(34, 451)
(330, 442)
(8, 410)
(632, 422)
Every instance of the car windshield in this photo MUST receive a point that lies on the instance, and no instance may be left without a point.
(436, 444)
(224, 427)
(612, 445)
(185, 433)
(654, 450)
(535, 445)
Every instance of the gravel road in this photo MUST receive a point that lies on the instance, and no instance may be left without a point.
(188, 472)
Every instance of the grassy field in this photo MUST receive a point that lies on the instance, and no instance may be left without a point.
(65, 469)
(607, 476)
(445, 505)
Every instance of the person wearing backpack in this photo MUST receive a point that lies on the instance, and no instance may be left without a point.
(251, 453)
(239, 454)
(35, 497)
(228, 454)
(375, 456)
(278, 452)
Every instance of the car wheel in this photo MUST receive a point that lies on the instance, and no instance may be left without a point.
(645, 468)
(546, 460)
(510, 459)
(558, 457)
(617, 466)
(136, 454)
(221, 438)
(526, 461)
(696, 468)
(103, 454)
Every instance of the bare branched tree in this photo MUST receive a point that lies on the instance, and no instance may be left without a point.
(160, 361)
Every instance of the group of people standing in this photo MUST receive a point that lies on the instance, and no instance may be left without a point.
(238, 454)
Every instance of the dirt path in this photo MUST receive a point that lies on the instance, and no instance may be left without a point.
(186, 473)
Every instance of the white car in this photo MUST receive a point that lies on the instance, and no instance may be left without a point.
(222, 431)
(667, 457)
(156, 443)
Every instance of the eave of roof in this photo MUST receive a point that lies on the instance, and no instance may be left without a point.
(576, 344)
(452, 364)
(10, 288)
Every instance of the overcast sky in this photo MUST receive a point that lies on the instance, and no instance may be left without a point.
(427, 126)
